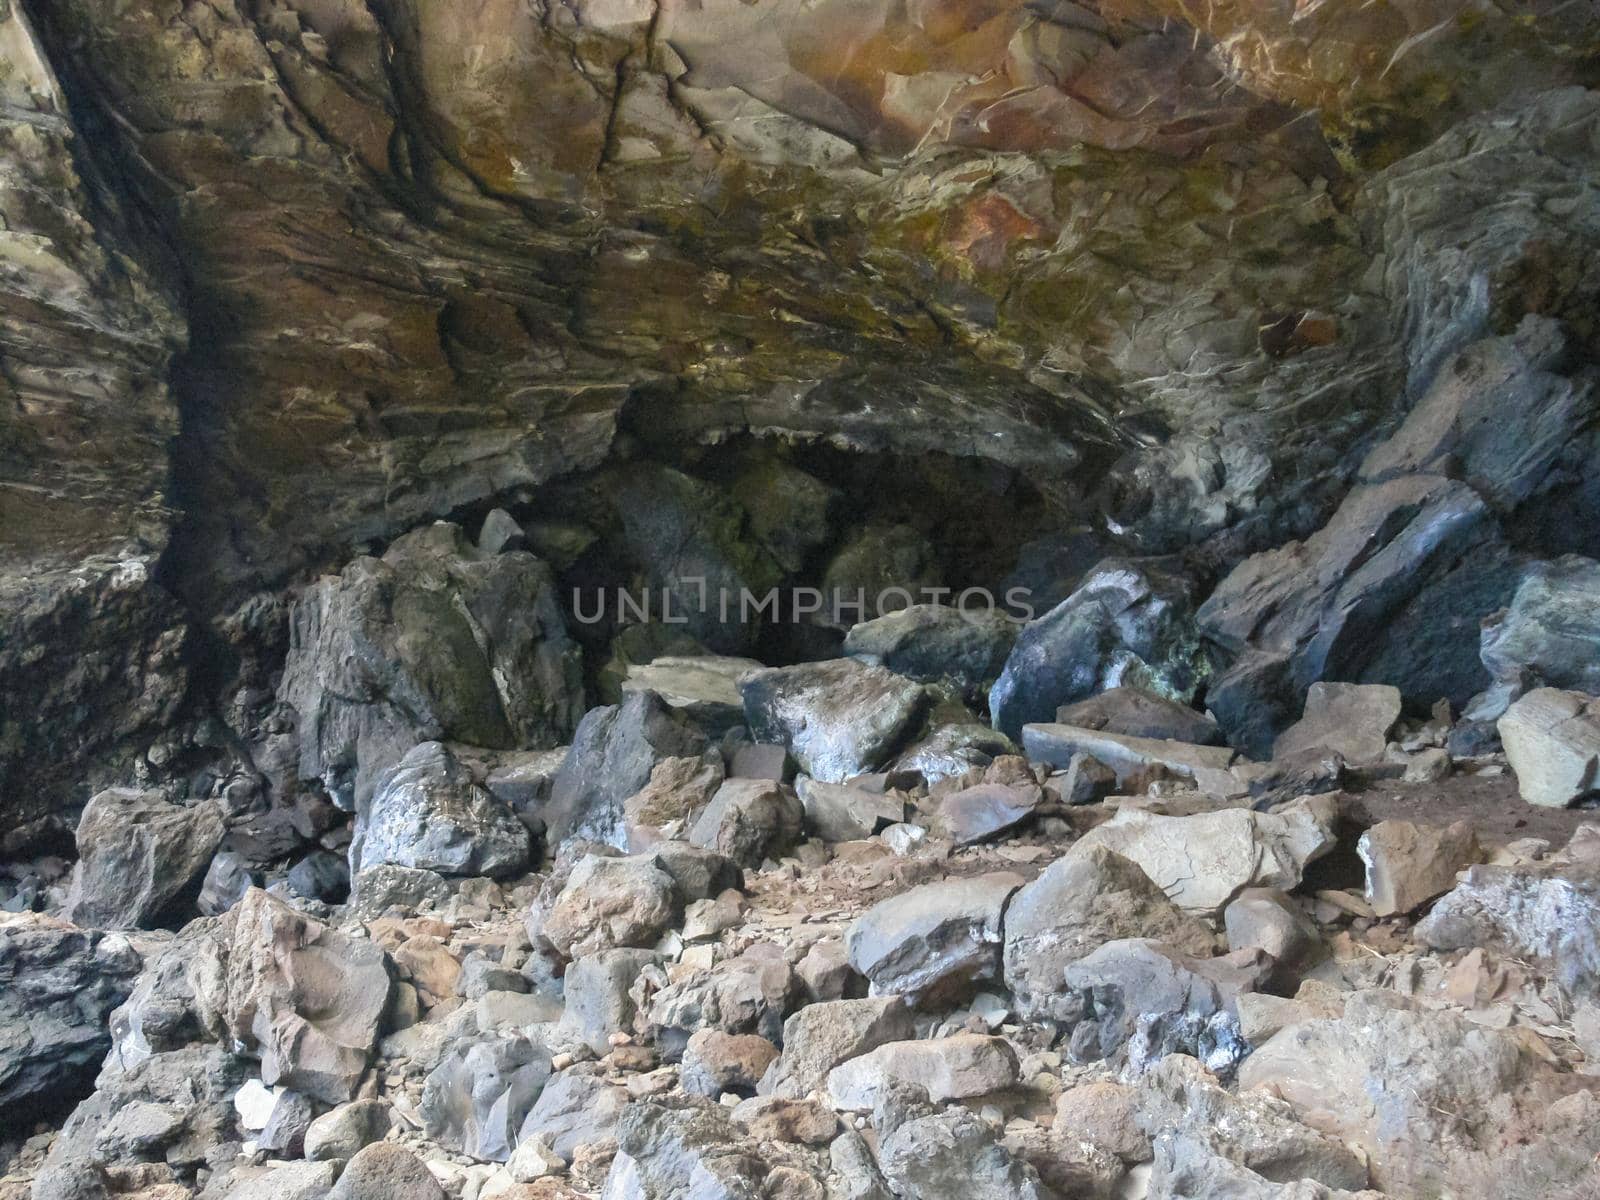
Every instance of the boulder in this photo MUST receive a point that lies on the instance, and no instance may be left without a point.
(138, 855)
(343, 1131)
(699, 873)
(285, 1181)
(947, 1068)
(426, 813)
(985, 810)
(950, 1155)
(773, 1119)
(683, 1149)
(304, 998)
(475, 1101)
(848, 812)
(386, 1171)
(596, 990)
(748, 820)
(1549, 635)
(881, 568)
(1351, 719)
(1132, 757)
(287, 1124)
(1552, 741)
(1104, 1112)
(1545, 913)
(934, 940)
(935, 643)
(1134, 712)
(1204, 860)
(1166, 1001)
(1129, 622)
(679, 788)
(378, 889)
(613, 753)
(1083, 900)
(749, 993)
(839, 718)
(821, 1036)
(435, 641)
(703, 688)
(577, 1107)
(1408, 865)
(611, 902)
(954, 748)
(320, 875)
(1268, 920)
(715, 1062)
(226, 881)
(58, 986)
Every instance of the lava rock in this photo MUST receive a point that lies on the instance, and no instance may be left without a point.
(1353, 720)
(954, 749)
(386, 1171)
(848, 812)
(138, 854)
(821, 1036)
(949, 1068)
(1549, 635)
(951, 1155)
(320, 875)
(611, 902)
(678, 790)
(935, 643)
(1129, 621)
(428, 814)
(476, 1099)
(1085, 899)
(715, 1062)
(1267, 919)
(750, 993)
(935, 940)
(576, 1108)
(1134, 712)
(703, 688)
(1408, 865)
(1552, 741)
(986, 810)
(613, 753)
(748, 820)
(343, 1131)
(1132, 757)
(838, 718)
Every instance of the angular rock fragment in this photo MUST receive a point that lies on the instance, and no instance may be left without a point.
(838, 718)
(747, 994)
(954, 749)
(951, 1155)
(848, 812)
(1204, 860)
(137, 854)
(598, 1003)
(715, 1062)
(1134, 712)
(748, 819)
(1549, 635)
(1131, 757)
(304, 998)
(704, 689)
(679, 788)
(577, 1107)
(986, 810)
(949, 1068)
(684, 1150)
(1351, 719)
(821, 1036)
(1266, 919)
(934, 642)
(1552, 741)
(934, 940)
(386, 1171)
(611, 902)
(476, 1099)
(1085, 899)
(341, 1132)
(427, 814)
(1408, 865)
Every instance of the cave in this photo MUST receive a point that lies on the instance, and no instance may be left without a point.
(799, 599)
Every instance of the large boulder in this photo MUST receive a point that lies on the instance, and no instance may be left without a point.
(934, 940)
(1552, 741)
(613, 754)
(1549, 635)
(577, 1107)
(1203, 861)
(609, 903)
(1129, 622)
(138, 854)
(58, 986)
(748, 819)
(476, 1099)
(1350, 719)
(1408, 865)
(428, 814)
(821, 1036)
(1085, 899)
(386, 1171)
(435, 641)
(838, 718)
(936, 643)
(304, 998)
(683, 1149)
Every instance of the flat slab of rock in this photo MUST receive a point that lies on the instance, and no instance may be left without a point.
(1353, 719)
(935, 939)
(704, 688)
(136, 854)
(933, 642)
(1205, 860)
(1552, 741)
(845, 812)
(950, 1068)
(1408, 865)
(1085, 899)
(1128, 756)
(986, 810)
(838, 718)
(1135, 712)
(819, 1037)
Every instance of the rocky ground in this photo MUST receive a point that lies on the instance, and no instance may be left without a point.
(792, 932)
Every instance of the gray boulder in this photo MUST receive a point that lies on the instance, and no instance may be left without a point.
(613, 753)
(1085, 899)
(847, 812)
(386, 1171)
(1549, 635)
(703, 688)
(1268, 920)
(954, 748)
(986, 810)
(1128, 623)
(341, 1132)
(935, 940)
(428, 814)
(683, 1149)
(1552, 741)
(748, 820)
(1408, 865)
(750, 993)
(58, 986)
(611, 902)
(1351, 719)
(137, 855)
(948, 1154)
(838, 718)
(435, 641)
(935, 643)
(577, 1107)
(476, 1100)
(821, 1036)
(597, 992)
(948, 1068)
